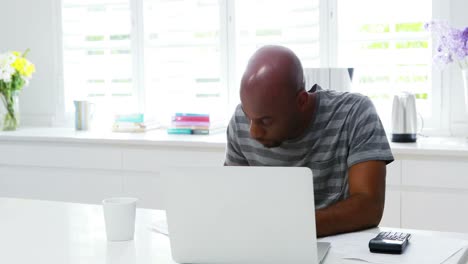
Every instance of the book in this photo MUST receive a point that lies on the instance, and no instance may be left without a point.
(134, 122)
(134, 126)
(191, 118)
(179, 131)
(190, 124)
(208, 131)
(134, 118)
(192, 114)
(190, 131)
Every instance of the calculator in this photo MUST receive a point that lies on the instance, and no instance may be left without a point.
(389, 242)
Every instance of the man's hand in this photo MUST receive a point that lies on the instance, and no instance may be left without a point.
(363, 208)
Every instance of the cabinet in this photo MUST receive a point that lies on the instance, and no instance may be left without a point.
(436, 210)
(435, 194)
(59, 184)
(391, 216)
(425, 190)
(88, 173)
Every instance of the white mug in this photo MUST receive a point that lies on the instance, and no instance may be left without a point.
(119, 216)
(83, 114)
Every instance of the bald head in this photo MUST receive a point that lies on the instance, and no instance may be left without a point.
(273, 96)
(273, 70)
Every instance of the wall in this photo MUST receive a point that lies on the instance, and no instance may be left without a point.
(31, 24)
(37, 27)
(459, 113)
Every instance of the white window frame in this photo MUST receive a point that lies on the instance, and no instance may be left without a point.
(440, 83)
(440, 96)
(438, 125)
(138, 42)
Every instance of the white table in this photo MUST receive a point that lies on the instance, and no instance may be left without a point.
(33, 231)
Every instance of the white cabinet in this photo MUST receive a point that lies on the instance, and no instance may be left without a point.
(147, 186)
(142, 167)
(435, 194)
(155, 159)
(436, 173)
(88, 173)
(56, 155)
(72, 185)
(435, 211)
(394, 173)
(423, 190)
(391, 216)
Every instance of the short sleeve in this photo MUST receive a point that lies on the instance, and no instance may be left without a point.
(234, 156)
(367, 139)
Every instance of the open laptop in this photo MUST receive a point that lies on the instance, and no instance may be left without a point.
(242, 215)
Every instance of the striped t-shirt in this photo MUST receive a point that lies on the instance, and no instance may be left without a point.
(345, 130)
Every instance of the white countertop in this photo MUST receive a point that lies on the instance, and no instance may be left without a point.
(150, 138)
(430, 146)
(433, 146)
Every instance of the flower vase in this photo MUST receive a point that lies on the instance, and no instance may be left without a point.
(9, 111)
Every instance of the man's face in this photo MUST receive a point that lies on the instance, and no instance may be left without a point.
(272, 120)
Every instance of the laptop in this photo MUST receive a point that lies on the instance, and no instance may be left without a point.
(242, 215)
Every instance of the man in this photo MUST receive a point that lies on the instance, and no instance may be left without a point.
(339, 136)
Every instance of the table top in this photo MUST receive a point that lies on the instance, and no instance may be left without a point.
(34, 231)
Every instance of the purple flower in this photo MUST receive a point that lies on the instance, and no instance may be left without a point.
(465, 35)
(442, 59)
(451, 42)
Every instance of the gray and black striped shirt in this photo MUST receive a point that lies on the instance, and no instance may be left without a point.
(346, 130)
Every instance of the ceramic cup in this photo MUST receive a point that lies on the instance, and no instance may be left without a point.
(119, 216)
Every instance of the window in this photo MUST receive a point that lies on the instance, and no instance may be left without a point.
(98, 54)
(166, 56)
(294, 24)
(182, 56)
(387, 45)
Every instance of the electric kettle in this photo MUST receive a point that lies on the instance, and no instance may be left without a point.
(404, 119)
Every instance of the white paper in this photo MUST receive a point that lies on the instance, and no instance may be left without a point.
(160, 227)
(421, 249)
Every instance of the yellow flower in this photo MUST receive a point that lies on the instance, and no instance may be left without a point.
(23, 66)
(30, 69)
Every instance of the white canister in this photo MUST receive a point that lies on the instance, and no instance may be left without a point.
(83, 114)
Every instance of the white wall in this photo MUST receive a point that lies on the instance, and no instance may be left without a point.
(34, 24)
(31, 24)
(458, 113)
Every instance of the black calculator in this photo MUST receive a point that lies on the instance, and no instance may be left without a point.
(389, 242)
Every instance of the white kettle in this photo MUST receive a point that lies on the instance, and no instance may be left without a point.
(404, 119)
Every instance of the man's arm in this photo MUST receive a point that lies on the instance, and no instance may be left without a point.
(363, 208)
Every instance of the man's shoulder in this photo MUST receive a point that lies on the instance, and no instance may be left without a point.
(336, 99)
(338, 95)
(238, 117)
(238, 111)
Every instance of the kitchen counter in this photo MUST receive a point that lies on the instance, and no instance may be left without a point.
(430, 146)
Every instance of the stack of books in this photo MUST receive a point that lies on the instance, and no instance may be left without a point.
(193, 124)
(136, 122)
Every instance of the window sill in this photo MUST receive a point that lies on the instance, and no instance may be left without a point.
(157, 137)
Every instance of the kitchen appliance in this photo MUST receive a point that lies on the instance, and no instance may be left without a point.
(404, 120)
